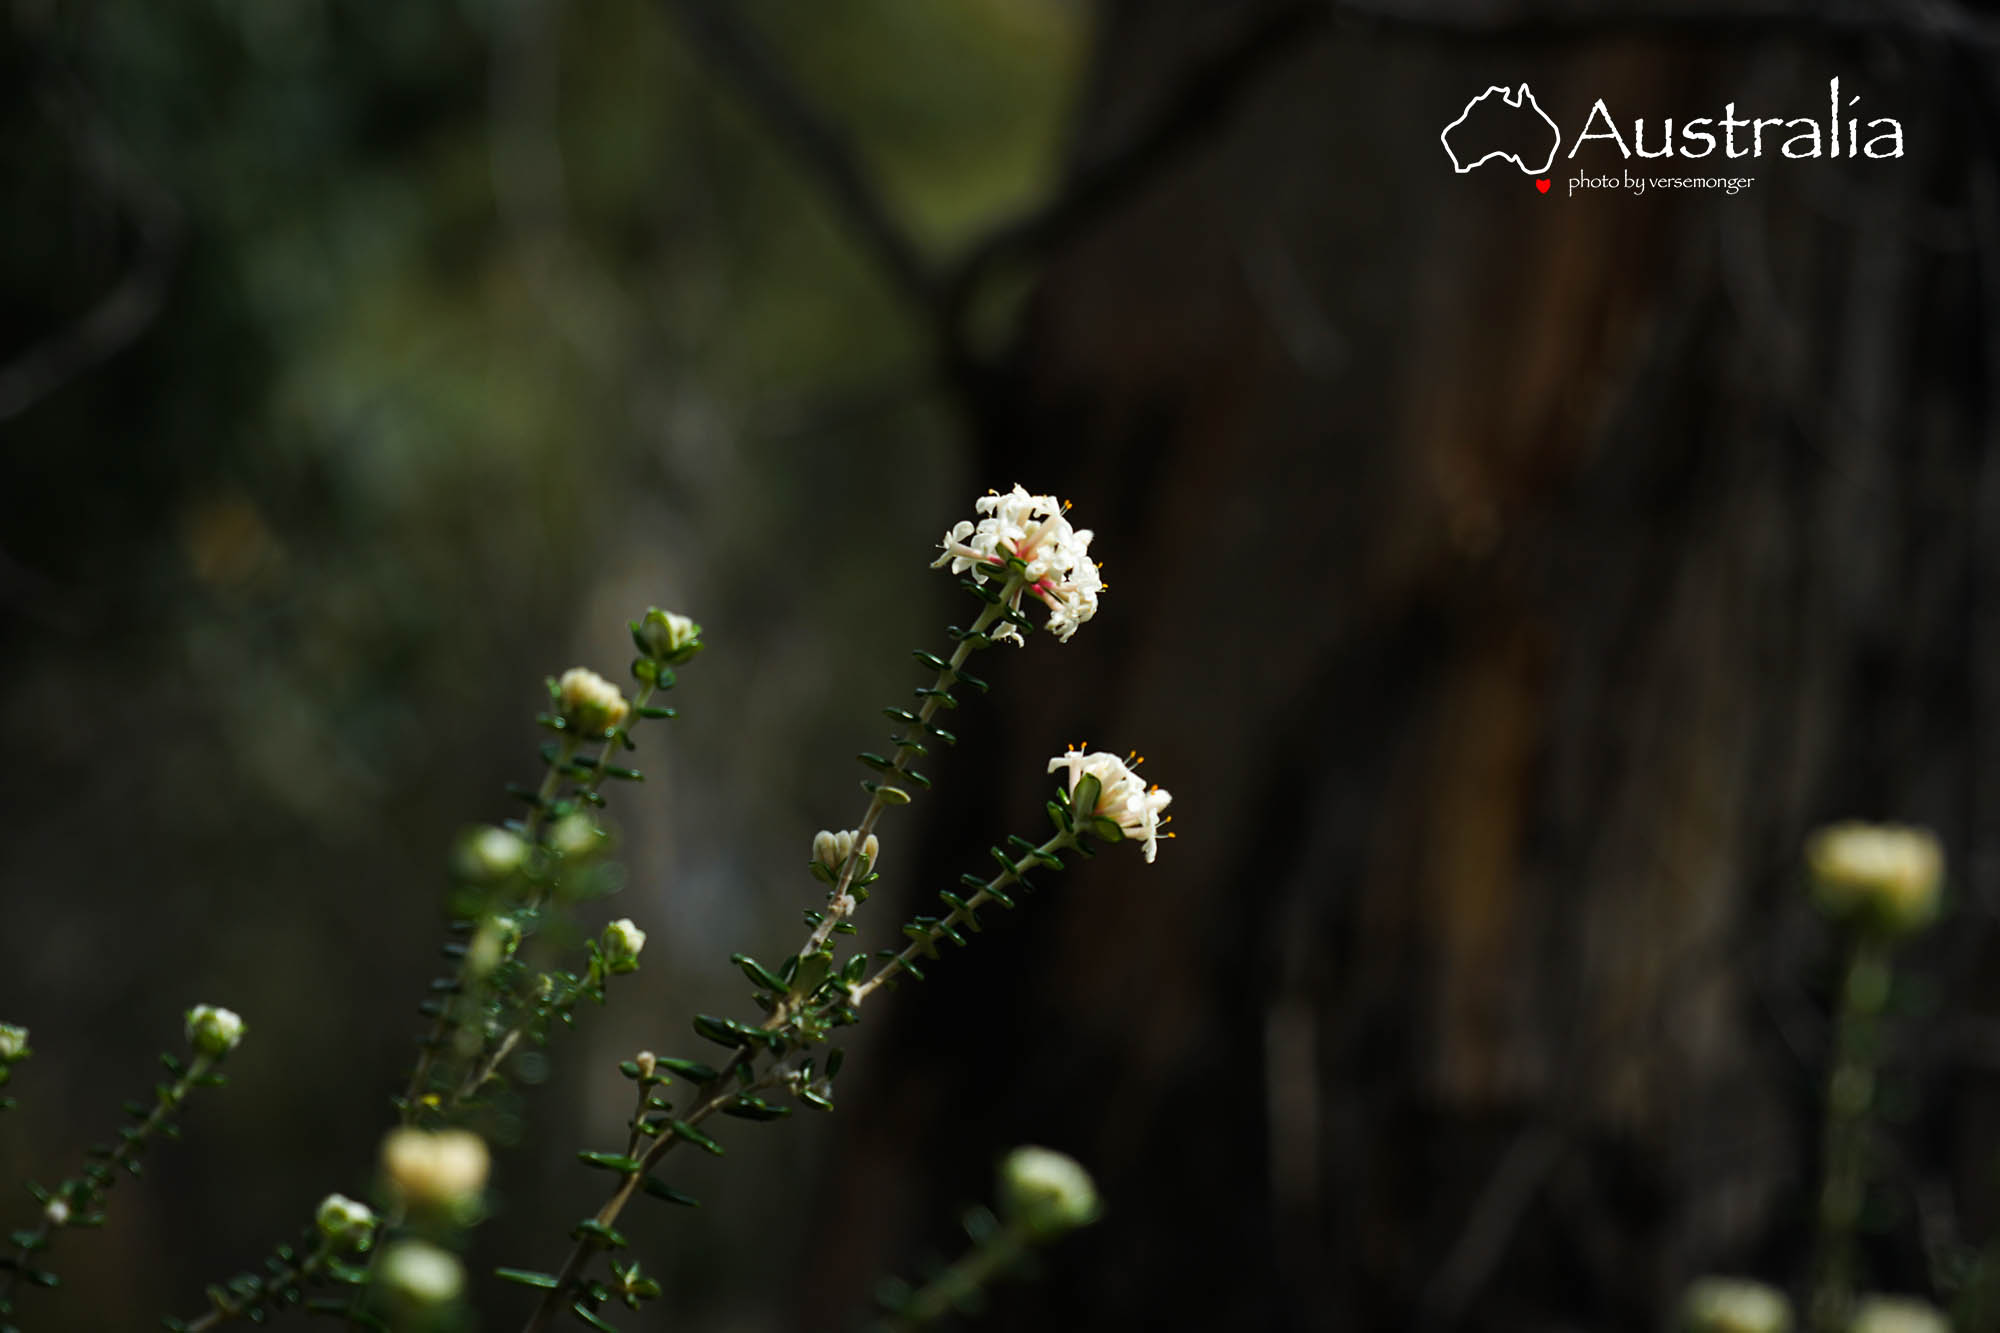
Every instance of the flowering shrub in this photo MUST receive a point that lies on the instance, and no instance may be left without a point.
(519, 887)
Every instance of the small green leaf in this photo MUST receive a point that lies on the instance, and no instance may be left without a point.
(526, 1277)
(659, 1189)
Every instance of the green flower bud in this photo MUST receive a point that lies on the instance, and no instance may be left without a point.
(665, 637)
(418, 1274)
(1734, 1305)
(1881, 877)
(1046, 1191)
(349, 1225)
(13, 1044)
(590, 704)
(621, 943)
(212, 1031)
(1897, 1314)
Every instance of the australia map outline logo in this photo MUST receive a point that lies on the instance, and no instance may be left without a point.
(1507, 123)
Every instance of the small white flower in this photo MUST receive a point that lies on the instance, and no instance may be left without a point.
(1032, 529)
(212, 1031)
(421, 1274)
(13, 1043)
(590, 703)
(622, 942)
(1048, 1191)
(1123, 796)
(56, 1213)
(343, 1221)
(446, 1170)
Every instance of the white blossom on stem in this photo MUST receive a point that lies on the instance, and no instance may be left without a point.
(1123, 796)
(1056, 556)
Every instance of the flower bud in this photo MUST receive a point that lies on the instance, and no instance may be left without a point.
(488, 855)
(443, 1171)
(1734, 1305)
(1897, 1314)
(590, 704)
(647, 1062)
(831, 850)
(1881, 877)
(56, 1212)
(1046, 1191)
(349, 1225)
(213, 1032)
(576, 835)
(417, 1273)
(665, 637)
(621, 943)
(13, 1044)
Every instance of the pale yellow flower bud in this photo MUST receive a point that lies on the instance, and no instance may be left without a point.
(443, 1171)
(1734, 1305)
(1883, 877)
(591, 704)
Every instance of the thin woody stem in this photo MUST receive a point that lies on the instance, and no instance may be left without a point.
(843, 903)
(959, 916)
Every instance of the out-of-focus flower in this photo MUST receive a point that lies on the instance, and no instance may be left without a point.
(1897, 1314)
(1734, 1305)
(445, 1170)
(1883, 876)
(489, 854)
(13, 1044)
(1055, 557)
(1122, 796)
(420, 1274)
(1046, 1191)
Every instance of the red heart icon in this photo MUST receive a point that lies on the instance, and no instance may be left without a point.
(1542, 185)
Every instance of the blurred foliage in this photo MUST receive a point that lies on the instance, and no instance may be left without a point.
(481, 325)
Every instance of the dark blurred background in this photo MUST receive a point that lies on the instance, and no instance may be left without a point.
(1503, 584)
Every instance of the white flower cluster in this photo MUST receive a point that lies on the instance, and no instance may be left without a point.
(1123, 796)
(1032, 529)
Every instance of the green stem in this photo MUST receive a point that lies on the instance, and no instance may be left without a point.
(726, 1086)
(843, 903)
(447, 1018)
(87, 1191)
(1850, 1094)
(973, 1271)
(959, 916)
(224, 1310)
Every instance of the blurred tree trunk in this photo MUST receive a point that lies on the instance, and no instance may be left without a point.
(1503, 584)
